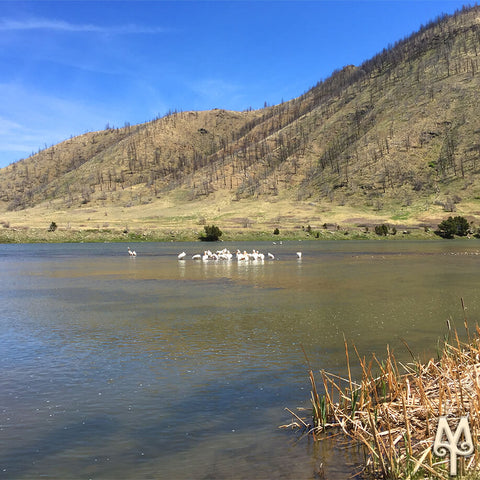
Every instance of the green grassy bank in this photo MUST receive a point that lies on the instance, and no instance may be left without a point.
(60, 235)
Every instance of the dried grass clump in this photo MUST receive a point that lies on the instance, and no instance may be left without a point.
(394, 414)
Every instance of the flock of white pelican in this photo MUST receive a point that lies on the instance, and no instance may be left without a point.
(225, 254)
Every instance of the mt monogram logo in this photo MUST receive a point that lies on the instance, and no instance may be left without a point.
(458, 443)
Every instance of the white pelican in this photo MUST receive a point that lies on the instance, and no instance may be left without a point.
(225, 255)
(271, 255)
(240, 255)
(299, 254)
(197, 256)
(181, 255)
(132, 253)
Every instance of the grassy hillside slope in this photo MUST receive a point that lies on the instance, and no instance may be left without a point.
(394, 140)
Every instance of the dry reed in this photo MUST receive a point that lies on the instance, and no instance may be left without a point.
(394, 412)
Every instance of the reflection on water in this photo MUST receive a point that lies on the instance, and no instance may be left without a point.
(150, 367)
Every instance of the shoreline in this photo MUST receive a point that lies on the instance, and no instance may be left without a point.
(32, 235)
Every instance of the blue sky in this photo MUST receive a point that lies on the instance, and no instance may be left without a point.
(68, 67)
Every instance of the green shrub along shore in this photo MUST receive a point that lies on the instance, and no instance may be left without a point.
(54, 233)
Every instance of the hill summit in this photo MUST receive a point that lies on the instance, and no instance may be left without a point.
(394, 140)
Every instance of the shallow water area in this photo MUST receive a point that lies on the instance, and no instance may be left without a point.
(151, 367)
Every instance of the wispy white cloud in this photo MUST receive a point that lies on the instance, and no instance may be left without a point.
(7, 24)
(30, 120)
(7, 126)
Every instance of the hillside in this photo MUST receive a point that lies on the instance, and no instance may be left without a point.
(393, 140)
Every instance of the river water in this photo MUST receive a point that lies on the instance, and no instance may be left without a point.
(150, 367)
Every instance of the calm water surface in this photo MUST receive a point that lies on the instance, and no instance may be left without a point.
(149, 367)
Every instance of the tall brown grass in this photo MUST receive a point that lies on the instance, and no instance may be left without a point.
(393, 410)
